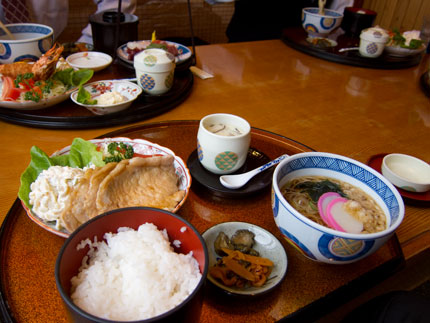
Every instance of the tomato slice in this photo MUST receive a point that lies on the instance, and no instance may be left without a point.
(9, 91)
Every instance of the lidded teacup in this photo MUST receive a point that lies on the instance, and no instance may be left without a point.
(372, 41)
(222, 142)
(155, 69)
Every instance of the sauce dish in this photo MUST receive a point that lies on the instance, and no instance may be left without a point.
(128, 90)
(95, 61)
(406, 172)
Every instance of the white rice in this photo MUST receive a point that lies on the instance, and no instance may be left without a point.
(134, 275)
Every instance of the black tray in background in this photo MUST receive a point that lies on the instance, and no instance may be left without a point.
(68, 115)
(296, 38)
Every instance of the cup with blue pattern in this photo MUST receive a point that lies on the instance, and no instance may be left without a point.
(222, 142)
(155, 70)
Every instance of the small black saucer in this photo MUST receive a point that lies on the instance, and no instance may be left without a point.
(211, 181)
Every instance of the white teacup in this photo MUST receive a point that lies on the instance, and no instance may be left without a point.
(223, 142)
(155, 70)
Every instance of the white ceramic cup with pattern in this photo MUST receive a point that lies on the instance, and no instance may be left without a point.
(155, 69)
(223, 142)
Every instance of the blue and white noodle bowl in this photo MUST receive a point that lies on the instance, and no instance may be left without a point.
(321, 243)
(317, 25)
(31, 41)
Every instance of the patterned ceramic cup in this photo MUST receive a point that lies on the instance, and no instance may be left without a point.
(372, 42)
(223, 142)
(155, 69)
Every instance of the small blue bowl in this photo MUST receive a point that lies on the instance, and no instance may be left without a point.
(317, 25)
(321, 243)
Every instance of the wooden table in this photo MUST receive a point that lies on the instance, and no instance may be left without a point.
(352, 111)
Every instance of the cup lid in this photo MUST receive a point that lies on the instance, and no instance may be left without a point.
(375, 34)
(155, 60)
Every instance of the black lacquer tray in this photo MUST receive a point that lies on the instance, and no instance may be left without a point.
(68, 115)
(296, 38)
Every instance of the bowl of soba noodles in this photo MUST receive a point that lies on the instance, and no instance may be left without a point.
(332, 208)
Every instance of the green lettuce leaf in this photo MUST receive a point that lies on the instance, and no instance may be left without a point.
(81, 77)
(71, 78)
(84, 96)
(82, 153)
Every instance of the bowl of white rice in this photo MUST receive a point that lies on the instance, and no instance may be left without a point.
(135, 264)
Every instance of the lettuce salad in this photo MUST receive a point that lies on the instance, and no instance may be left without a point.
(82, 154)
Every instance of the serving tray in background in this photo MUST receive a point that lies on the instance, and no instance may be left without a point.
(68, 115)
(295, 37)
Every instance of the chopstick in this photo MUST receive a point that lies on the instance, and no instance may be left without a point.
(2, 26)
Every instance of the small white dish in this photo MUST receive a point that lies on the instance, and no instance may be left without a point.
(95, 61)
(266, 244)
(406, 172)
(130, 91)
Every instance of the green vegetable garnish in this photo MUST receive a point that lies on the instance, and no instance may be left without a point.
(72, 78)
(316, 189)
(84, 96)
(157, 45)
(399, 40)
(22, 78)
(118, 152)
(32, 96)
(82, 153)
(48, 86)
(81, 77)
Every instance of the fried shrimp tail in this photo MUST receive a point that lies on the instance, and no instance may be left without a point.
(46, 65)
(42, 69)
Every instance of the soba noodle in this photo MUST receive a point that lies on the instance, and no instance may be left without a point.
(370, 213)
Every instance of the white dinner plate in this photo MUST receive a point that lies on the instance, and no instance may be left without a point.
(95, 61)
(31, 105)
(184, 52)
(398, 51)
(141, 147)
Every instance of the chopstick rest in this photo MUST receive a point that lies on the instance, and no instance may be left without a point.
(200, 73)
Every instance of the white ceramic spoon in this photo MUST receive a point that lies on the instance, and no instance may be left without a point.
(237, 181)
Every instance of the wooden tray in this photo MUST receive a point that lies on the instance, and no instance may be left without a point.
(296, 38)
(309, 290)
(68, 115)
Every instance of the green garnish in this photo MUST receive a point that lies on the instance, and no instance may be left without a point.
(48, 86)
(84, 96)
(157, 45)
(316, 189)
(22, 78)
(399, 40)
(71, 78)
(82, 153)
(118, 152)
(32, 96)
